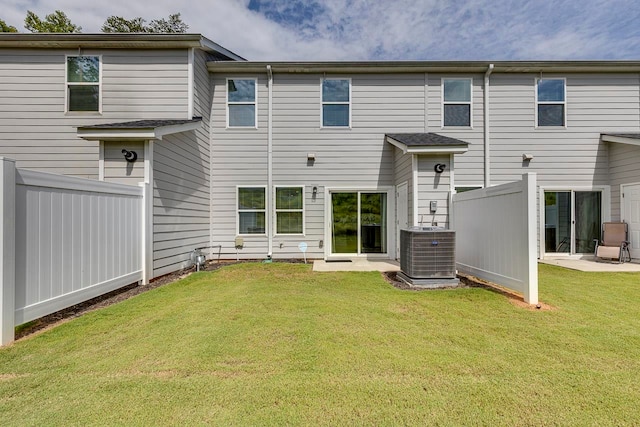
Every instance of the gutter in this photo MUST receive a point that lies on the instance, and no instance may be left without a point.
(270, 164)
(487, 142)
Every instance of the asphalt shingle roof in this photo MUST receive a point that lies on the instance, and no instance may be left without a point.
(425, 140)
(143, 124)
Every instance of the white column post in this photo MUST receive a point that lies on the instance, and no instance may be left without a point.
(530, 188)
(7, 250)
(147, 232)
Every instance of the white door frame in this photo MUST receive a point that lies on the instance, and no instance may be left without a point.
(605, 214)
(623, 213)
(391, 217)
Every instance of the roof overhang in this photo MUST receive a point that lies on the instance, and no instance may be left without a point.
(622, 138)
(425, 66)
(426, 146)
(112, 41)
(141, 130)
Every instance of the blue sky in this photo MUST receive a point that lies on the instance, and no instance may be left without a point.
(282, 30)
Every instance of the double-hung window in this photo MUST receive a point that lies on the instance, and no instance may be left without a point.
(241, 103)
(336, 102)
(83, 83)
(251, 210)
(456, 102)
(289, 210)
(550, 102)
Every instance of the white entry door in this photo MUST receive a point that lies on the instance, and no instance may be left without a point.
(631, 215)
(402, 212)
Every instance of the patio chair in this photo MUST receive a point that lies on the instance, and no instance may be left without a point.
(615, 243)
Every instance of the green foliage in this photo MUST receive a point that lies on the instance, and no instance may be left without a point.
(56, 22)
(6, 28)
(117, 24)
(172, 25)
(277, 344)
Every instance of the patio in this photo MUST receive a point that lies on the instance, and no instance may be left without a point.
(590, 264)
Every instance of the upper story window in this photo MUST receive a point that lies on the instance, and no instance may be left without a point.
(83, 83)
(336, 102)
(456, 102)
(551, 102)
(241, 103)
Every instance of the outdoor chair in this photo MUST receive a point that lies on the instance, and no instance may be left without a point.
(614, 244)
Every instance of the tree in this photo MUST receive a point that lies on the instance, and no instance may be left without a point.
(118, 24)
(56, 22)
(173, 25)
(6, 28)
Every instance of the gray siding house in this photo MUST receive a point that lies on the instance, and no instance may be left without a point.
(70, 103)
(259, 157)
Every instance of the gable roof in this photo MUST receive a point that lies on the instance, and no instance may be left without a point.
(137, 130)
(115, 41)
(424, 143)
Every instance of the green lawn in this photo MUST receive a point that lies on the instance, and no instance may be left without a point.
(275, 344)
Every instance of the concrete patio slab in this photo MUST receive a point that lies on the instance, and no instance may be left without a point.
(356, 265)
(590, 264)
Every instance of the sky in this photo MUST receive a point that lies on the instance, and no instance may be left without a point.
(361, 30)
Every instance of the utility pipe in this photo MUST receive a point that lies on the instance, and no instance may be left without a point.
(487, 148)
(270, 209)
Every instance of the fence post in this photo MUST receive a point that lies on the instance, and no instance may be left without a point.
(529, 185)
(147, 232)
(7, 250)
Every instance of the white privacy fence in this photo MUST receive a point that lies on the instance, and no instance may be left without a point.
(496, 235)
(64, 240)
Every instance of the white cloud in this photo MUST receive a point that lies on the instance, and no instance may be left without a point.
(379, 29)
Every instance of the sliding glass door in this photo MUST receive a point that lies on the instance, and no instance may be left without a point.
(358, 222)
(572, 220)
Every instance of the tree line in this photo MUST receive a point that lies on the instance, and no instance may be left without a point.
(59, 22)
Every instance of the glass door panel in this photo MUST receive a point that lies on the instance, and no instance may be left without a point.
(588, 220)
(572, 220)
(557, 221)
(373, 220)
(344, 223)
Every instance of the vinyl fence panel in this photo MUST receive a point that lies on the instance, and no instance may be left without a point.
(496, 235)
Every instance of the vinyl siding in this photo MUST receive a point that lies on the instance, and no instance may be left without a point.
(34, 129)
(182, 199)
(470, 165)
(117, 168)
(404, 173)
(571, 156)
(357, 157)
(624, 164)
(433, 187)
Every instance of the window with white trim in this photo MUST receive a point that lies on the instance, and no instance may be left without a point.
(336, 102)
(83, 83)
(456, 102)
(241, 103)
(550, 102)
(289, 210)
(251, 210)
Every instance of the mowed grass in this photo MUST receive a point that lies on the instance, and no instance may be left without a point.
(276, 344)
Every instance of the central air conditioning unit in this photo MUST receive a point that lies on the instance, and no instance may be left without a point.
(428, 257)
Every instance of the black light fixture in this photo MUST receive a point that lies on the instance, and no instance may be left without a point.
(439, 167)
(130, 156)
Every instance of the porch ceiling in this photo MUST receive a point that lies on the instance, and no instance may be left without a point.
(137, 130)
(622, 138)
(427, 143)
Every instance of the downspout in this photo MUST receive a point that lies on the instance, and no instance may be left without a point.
(270, 209)
(487, 145)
